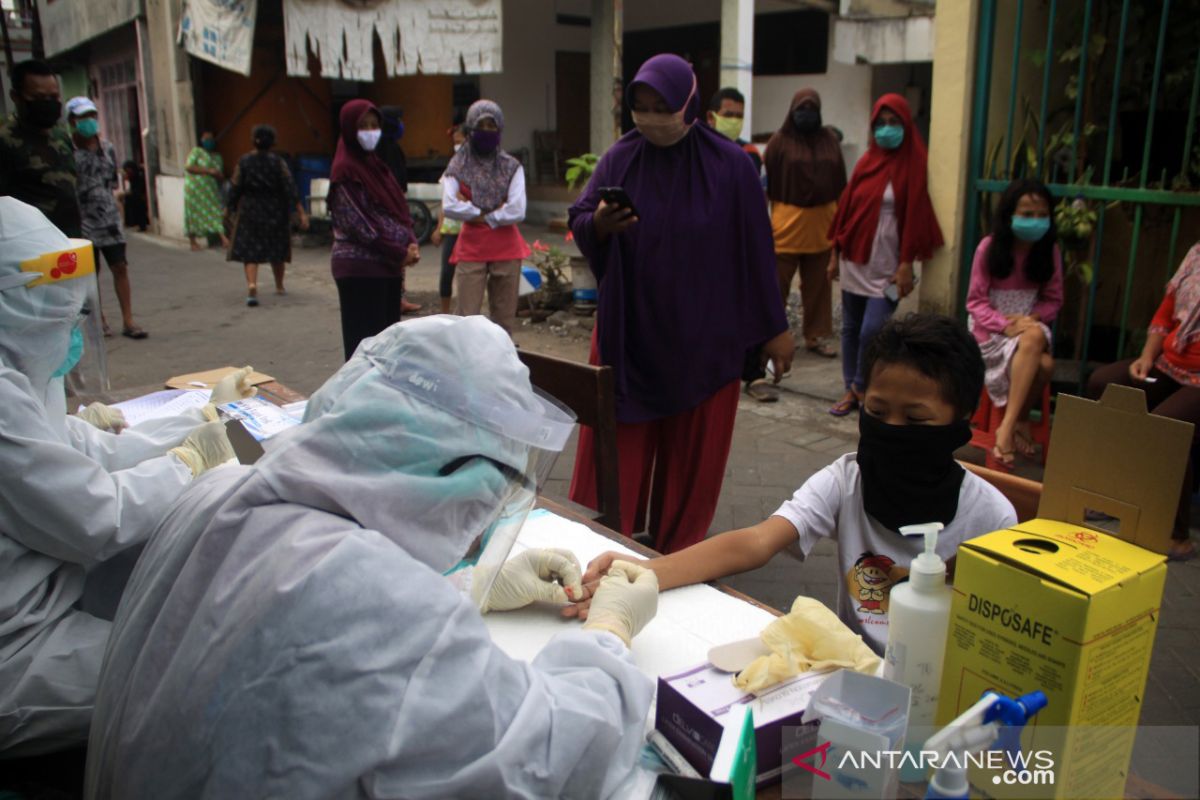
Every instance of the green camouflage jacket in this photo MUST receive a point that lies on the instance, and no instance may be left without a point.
(39, 169)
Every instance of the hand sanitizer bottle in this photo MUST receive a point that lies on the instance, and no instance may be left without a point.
(918, 622)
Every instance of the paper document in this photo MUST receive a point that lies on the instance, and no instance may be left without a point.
(167, 403)
(261, 418)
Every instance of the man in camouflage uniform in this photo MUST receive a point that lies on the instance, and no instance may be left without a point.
(37, 159)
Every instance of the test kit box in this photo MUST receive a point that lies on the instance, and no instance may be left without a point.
(1059, 605)
(692, 707)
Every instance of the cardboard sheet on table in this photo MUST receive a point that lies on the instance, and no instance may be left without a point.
(690, 620)
(210, 377)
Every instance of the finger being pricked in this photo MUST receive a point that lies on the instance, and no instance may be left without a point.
(577, 610)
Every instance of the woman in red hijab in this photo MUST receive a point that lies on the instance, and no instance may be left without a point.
(884, 223)
(373, 238)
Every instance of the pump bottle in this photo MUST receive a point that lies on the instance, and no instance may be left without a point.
(918, 622)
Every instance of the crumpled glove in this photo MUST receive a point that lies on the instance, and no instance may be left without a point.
(234, 386)
(625, 600)
(206, 447)
(106, 418)
(808, 638)
(535, 575)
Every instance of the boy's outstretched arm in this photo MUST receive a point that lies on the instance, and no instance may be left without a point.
(716, 557)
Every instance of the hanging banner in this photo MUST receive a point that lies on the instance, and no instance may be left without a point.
(431, 37)
(219, 31)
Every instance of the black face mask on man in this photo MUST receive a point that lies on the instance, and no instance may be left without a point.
(41, 113)
(806, 120)
(909, 474)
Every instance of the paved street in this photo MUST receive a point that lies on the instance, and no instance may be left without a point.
(193, 306)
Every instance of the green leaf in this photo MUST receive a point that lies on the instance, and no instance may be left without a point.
(1037, 57)
(1069, 55)
(1086, 273)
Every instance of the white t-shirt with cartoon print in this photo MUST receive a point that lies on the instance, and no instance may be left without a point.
(872, 558)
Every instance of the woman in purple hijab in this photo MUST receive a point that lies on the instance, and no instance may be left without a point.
(687, 287)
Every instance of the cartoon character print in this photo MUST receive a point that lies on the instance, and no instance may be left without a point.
(870, 581)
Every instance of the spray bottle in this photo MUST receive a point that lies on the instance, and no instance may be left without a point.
(918, 622)
(994, 717)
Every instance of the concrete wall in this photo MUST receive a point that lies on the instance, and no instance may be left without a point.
(168, 190)
(525, 90)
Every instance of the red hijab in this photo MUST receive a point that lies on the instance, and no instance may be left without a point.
(353, 164)
(906, 168)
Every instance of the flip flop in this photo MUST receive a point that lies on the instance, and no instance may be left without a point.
(821, 349)
(763, 390)
(108, 332)
(843, 407)
(1182, 551)
(1024, 445)
(134, 333)
(252, 301)
(1003, 459)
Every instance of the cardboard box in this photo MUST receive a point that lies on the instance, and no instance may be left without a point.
(1059, 605)
(1115, 458)
(692, 705)
(1052, 606)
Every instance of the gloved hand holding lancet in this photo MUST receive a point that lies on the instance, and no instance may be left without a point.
(206, 447)
(625, 601)
(549, 575)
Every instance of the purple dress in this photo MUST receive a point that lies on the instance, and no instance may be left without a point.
(691, 287)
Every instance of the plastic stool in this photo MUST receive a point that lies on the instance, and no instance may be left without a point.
(988, 417)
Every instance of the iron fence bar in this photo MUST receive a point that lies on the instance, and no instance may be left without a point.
(1046, 69)
(979, 113)
(1124, 194)
(1006, 147)
(1137, 217)
(1079, 92)
(1184, 166)
(1109, 143)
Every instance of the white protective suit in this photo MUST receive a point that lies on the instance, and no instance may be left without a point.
(71, 496)
(289, 632)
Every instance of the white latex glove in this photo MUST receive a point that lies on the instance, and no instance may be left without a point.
(206, 447)
(234, 386)
(625, 601)
(106, 418)
(536, 575)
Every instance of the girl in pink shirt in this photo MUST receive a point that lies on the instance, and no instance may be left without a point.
(1015, 293)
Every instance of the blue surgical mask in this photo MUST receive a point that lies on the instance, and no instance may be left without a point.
(1030, 229)
(889, 137)
(74, 353)
(87, 127)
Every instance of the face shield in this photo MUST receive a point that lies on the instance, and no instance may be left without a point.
(47, 311)
(89, 375)
(530, 441)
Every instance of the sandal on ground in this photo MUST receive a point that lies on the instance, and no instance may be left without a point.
(844, 406)
(1183, 550)
(108, 332)
(1004, 459)
(134, 332)
(1024, 445)
(279, 290)
(409, 308)
(821, 349)
(763, 390)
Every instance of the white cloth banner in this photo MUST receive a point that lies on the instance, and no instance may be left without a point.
(446, 37)
(220, 31)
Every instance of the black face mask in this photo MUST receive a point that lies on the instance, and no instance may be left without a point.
(41, 113)
(806, 120)
(909, 474)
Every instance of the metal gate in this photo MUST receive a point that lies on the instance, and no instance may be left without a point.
(1112, 61)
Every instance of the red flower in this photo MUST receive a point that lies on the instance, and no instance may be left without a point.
(570, 236)
(541, 248)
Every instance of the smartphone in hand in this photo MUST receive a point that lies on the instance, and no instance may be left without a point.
(617, 196)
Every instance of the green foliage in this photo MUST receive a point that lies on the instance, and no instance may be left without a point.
(580, 169)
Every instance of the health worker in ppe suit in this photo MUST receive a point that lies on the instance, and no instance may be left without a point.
(72, 496)
(309, 626)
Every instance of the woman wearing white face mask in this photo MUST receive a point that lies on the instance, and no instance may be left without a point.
(373, 239)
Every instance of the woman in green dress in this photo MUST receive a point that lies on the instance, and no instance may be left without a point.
(202, 206)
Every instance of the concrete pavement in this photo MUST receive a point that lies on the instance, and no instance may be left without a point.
(193, 306)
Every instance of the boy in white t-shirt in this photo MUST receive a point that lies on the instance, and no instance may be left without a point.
(924, 377)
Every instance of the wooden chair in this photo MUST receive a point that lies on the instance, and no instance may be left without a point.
(590, 392)
(1023, 493)
(988, 417)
